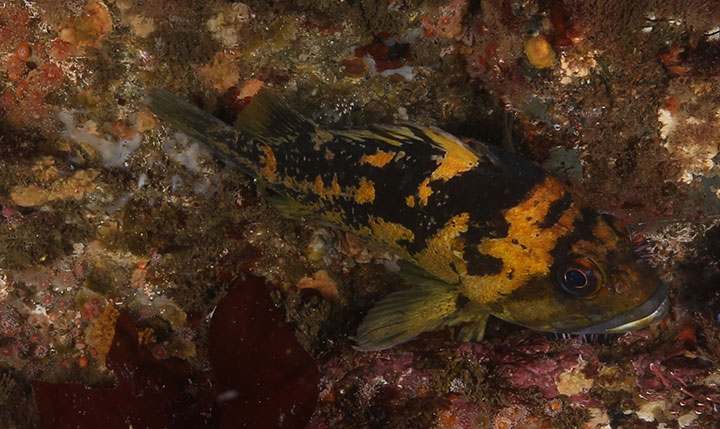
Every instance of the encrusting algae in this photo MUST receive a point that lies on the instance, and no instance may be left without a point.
(490, 234)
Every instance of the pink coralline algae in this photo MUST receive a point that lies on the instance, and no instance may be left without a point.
(531, 362)
(665, 373)
(379, 385)
(523, 372)
(9, 212)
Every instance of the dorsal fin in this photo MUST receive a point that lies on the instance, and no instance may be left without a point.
(410, 132)
(449, 143)
(270, 120)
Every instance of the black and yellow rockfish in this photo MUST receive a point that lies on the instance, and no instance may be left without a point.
(482, 232)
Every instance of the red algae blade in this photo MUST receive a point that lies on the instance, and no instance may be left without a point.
(264, 377)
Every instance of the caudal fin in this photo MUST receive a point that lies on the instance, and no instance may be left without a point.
(218, 137)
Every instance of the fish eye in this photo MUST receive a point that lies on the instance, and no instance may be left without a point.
(577, 278)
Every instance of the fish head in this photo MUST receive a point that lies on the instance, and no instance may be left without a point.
(596, 284)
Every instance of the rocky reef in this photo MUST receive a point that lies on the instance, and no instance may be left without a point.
(135, 265)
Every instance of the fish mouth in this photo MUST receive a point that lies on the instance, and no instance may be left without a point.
(645, 314)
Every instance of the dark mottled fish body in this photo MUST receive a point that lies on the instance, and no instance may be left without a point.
(482, 231)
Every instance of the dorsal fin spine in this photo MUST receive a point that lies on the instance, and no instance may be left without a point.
(270, 120)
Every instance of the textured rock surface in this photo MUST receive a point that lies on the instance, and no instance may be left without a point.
(111, 219)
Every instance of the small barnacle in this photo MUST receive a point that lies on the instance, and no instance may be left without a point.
(539, 52)
(23, 50)
(553, 407)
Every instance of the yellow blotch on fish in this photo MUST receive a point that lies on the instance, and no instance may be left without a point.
(319, 185)
(424, 191)
(365, 193)
(457, 159)
(390, 234)
(527, 248)
(443, 254)
(379, 159)
(335, 187)
(270, 164)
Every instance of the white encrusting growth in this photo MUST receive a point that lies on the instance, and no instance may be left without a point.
(184, 152)
(113, 153)
(667, 121)
(681, 134)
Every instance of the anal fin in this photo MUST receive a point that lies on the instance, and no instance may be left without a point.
(289, 207)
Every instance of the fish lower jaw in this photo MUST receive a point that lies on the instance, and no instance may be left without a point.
(645, 314)
(651, 318)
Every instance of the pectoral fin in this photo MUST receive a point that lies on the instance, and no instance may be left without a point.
(416, 275)
(475, 331)
(403, 315)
